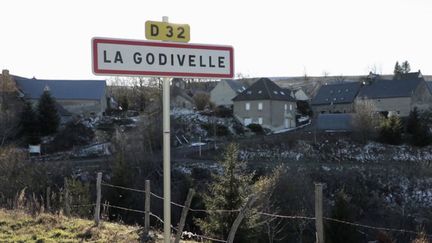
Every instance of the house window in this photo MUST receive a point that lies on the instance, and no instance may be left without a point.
(260, 120)
(291, 107)
(286, 107)
(260, 106)
(247, 106)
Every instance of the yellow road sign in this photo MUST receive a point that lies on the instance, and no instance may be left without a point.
(167, 32)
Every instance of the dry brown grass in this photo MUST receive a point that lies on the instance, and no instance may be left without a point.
(421, 238)
(16, 226)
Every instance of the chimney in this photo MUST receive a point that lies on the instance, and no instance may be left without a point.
(4, 80)
(7, 84)
(5, 73)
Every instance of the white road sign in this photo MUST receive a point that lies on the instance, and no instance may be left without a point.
(162, 59)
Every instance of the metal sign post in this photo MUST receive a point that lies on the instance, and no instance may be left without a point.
(166, 156)
(164, 59)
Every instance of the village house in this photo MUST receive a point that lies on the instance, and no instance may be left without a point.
(399, 95)
(223, 93)
(179, 97)
(336, 98)
(74, 97)
(267, 104)
(299, 94)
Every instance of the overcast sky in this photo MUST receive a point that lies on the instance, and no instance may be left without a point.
(51, 39)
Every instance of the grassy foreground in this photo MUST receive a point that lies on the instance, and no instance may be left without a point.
(18, 226)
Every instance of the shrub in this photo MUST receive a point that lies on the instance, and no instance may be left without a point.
(342, 210)
(74, 134)
(238, 128)
(256, 128)
(222, 130)
(304, 108)
(222, 111)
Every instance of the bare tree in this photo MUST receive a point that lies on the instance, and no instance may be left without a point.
(365, 120)
(201, 100)
(375, 69)
(325, 73)
(137, 91)
(340, 79)
(282, 193)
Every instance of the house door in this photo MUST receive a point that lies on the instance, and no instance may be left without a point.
(286, 123)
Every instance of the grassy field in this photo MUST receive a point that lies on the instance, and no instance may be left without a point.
(17, 226)
(20, 227)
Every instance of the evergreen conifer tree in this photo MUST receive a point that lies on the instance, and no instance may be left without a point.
(29, 124)
(405, 68)
(418, 128)
(49, 119)
(413, 121)
(397, 69)
(391, 130)
(229, 190)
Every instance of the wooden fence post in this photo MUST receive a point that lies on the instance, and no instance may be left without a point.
(66, 198)
(98, 198)
(48, 198)
(147, 208)
(319, 213)
(239, 218)
(184, 214)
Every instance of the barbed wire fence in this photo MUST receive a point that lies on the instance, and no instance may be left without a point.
(318, 218)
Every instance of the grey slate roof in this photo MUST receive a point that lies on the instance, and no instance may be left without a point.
(176, 91)
(380, 88)
(62, 89)
(429, 85)
(236, 85)
(334, 122)
(408, 76)
(264, 89)
(336, 93)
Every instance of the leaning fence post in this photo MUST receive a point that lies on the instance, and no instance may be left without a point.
(184, 214)
(147, 208)
(66, 198)
(319, 213)
(98, 198)
(239, 218)
(48, 197)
